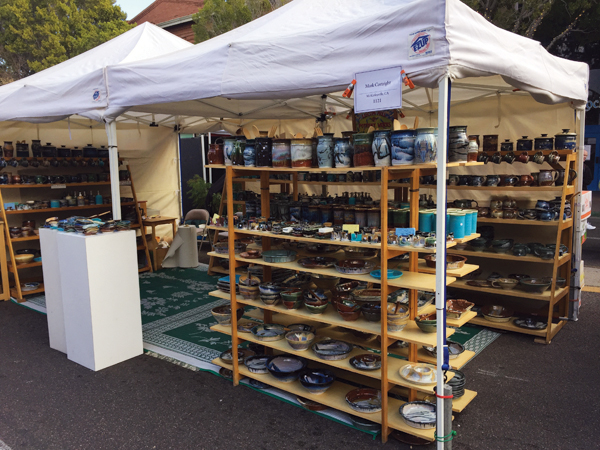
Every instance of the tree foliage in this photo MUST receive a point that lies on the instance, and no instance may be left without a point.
(37, 34)
(220, 16)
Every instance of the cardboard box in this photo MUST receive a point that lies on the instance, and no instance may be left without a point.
(586, 204)
(160, 256)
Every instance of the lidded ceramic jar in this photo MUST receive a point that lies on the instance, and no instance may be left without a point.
(565, 140)
(36, 148)
(89, 151)
(301, 152)
(507, 146)
(524, 144)
(325, 151)
(22, 149)
(458, 145)
(363, 156)
(281, 153)
(403, 147)
(490, 143)
(426, 145)
(544, 143)
(382, 148)
(9, 150)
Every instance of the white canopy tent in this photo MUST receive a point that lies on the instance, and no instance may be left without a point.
(79, 86)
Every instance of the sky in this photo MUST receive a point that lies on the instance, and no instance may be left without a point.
(133, 7)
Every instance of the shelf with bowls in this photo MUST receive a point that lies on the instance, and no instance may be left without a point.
(55, 186)
(12, 268)
(14, 293)
(334, 398)
(24, 239)
(451, 321)
(545, 296)
(510, 326)
(506, 256)
(66, 208)
(504, 189)
(408, 280)
(394, 367)
(411, 333)
(465, 270)
(549, 223)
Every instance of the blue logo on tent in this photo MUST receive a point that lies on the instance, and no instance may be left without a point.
(420, 43)
(96, 95)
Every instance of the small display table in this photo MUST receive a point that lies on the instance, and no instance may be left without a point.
(153, 223)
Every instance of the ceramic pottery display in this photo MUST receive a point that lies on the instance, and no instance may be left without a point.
(543, 143)
(565, 140)
(325, 151)
(282, 156)
(419, 414)
(524, 144)
(382, 148)
(301, 151)
(363, 156)
(403, 147)
(228, 146)
(426, 145)
(250, 153)
(507, 146)
(264, 157)
(458, 146)
(342, 152)
(490, 143)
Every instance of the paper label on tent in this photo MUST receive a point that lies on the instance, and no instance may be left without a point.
(378, 90)
(420, 43)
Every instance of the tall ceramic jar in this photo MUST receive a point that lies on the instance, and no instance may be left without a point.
(315, 160)
(382, 148)
(325, 151)
(264, 157)
(426, 145)
(301, 150)
(473, 149)
(565, 140)
(458, 145)
(342, 152)
(215, 154)
(281, 153)
(403, 147)
(228, 146)
(237, 156)
(363, 155)
(490, 142)
(36, 148)
(9, 150)
(250, 153)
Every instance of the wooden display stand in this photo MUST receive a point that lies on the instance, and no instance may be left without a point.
(41, 214)
(4, 289)
(413, 280)
(153, 223)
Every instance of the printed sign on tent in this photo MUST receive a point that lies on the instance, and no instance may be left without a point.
(378, 90)
(420, 43)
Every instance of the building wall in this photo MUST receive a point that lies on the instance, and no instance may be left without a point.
(164, 10)
(183, 30)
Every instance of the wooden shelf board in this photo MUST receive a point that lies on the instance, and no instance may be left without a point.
(28, 238)
(144, 269)
(545, 296)
(411, 332)
(335, 397)
(552, 223)
(467, 238)
(458, 404)
(498, 188)
(508, 256)
(257, 180)
(11, 268)
(423, 268)
(394, 364)
(407, 167)
(423, 356)
(46, 185)
(409, 280)
(507, 326)
(14, 293)
(66, 208)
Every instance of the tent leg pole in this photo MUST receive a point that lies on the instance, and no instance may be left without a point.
(113, 154)
(578, 235)
(440, 261)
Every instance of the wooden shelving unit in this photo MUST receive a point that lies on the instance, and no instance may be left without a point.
(415, 278)
(556, 299)
(16, 291)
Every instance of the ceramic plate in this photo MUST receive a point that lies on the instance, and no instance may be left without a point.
(247, 325)
(419, 414)
(268, 332)
(419, 373)
(530, 324)
(391, 274)
(479, 283)
(257, 363)
(332, 349)
(317, 262)
(257, 384)
(310, 405)
(366, 361)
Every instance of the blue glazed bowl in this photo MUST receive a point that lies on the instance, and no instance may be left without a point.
(286, 368)
(316, 381)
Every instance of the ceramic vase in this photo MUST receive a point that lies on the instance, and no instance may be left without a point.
(363, 156)
(403, 147)
(342, 152)
(228, 145)
(382, 148)
(250, 153)
(282, 156)
(458, 146)
(325, 151)
(264, 157)
(301, 151)
(426, 145)
(215, 154)
(237, 154)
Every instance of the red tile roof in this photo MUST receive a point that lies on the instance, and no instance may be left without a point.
(163, 10)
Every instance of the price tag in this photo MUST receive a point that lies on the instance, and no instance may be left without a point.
(351, 228)
(58, 186)
(378, 90)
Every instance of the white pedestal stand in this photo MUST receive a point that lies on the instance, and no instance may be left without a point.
(101, 298)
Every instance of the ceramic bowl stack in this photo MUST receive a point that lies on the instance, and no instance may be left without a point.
(316, 301)
(348, 309)
(223, 284)
(270, 293)
(292, 298)
(419, 414)
(286, 368)
(223, 314)
(332, 349)
(248, 287)
(457, 383)
(397, 316)
(371, 311)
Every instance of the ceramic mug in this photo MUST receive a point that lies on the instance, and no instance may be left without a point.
(483, 211)
(538, 158)
(524, 157)
(509, 157)
(483, 157)
(553, 157)
(509, 214)
(497, 158)
(41, 179)
(453, 180)
(477, 180)
(497, 213)
(547, 177)
(496, 204)
(526, 180)
(463, 180)
(511, 180)
(542, 205)
(493, 180)
(509, 203)
(465, 204)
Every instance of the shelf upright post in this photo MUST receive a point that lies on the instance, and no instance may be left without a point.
(384, 295)
(265, 211)
(232, 263)
(413, 265)
(574, 303)
(113, 160)
(440, 260)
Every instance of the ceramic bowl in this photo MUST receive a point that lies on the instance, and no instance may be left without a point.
(530, 323)
(25, 258)
(350, 316)
(427, 322)
(249, 292)
(301, 327)
(371, 312)
(456, 308)
(364, 424)
(453, 262)
(360, 253)
(366, 361)
(454, 349)
(496, 313)
(505, 283)
(535, 285)
(270, 288)
(270, 300)
(331, 349)
(310, 405)
(354, 266)
(293, 304)
(316, 307)
(325, 282)
(397, 316)
(279, 256)
(316, 381)
(243, 353)
(502, 245)
(419, 414)
(347, 288)
(222, 314)
(249, 281)
(269, 332)
(300, 340)
(346, 304)
(418, 373)
(293, 294)
(364, 400)
(257, 363)
(519, 276)
(315, 296)
(286, 368)
(479, 244)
